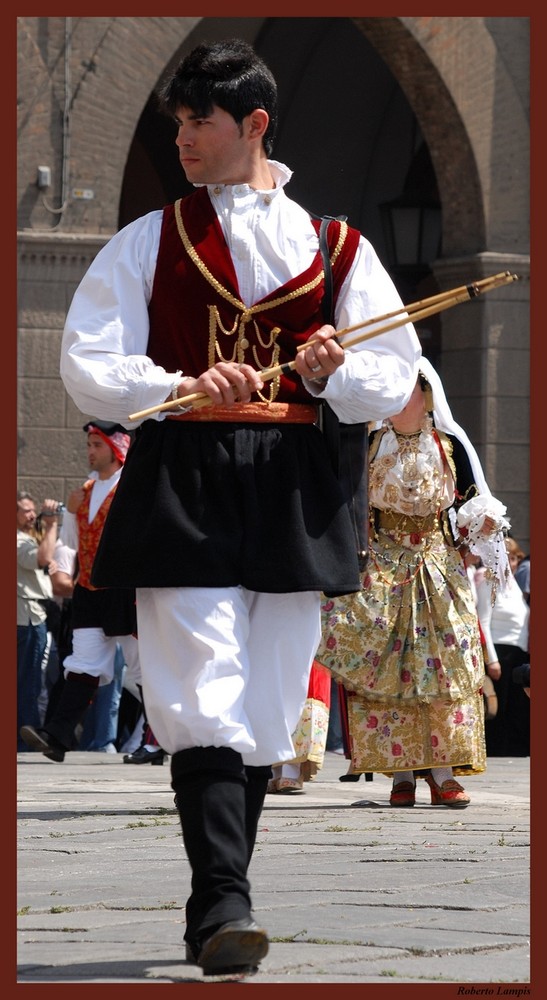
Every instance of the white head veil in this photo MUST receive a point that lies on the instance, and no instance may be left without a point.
(471, 514)
(444, 421)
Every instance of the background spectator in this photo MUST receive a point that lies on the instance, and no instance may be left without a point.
(100, 617)
(522, 576)
(35, 548)
(505, 627)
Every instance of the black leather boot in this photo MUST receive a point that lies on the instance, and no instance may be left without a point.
(255, 793)
(143, 756)
(210, 784)
(57, 736)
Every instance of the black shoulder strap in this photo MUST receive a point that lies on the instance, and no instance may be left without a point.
(347, 443)
(330, 425)
(327, 305)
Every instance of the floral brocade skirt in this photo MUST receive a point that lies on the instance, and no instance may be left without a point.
(407, 648)
(310, 735)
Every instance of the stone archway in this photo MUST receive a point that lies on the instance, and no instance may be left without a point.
(463, 80)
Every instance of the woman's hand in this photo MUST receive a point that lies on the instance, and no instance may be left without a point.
(489, 527)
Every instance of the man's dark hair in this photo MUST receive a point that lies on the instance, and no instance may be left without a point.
(228, 74)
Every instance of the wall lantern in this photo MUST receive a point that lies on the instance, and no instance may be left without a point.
(412, 231)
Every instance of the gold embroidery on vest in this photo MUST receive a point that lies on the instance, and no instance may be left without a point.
(341, 240)
(214, 352)
(241, 344)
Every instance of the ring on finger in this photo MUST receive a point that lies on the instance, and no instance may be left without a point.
(316, 369)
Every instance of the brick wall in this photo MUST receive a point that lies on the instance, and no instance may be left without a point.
(467, 81)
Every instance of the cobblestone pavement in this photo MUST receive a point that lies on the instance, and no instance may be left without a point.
(349, 889)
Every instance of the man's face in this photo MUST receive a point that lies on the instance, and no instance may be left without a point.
(26, 515)
(213, 149)
(99, 453)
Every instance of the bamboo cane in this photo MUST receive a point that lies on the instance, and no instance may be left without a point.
(414, 312)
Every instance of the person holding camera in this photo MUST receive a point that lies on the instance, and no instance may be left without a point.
(36, 538)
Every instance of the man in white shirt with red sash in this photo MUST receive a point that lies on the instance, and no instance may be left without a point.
(101, 618)
(229, 518)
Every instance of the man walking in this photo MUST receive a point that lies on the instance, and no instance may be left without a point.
(229, 519)
(100, 617)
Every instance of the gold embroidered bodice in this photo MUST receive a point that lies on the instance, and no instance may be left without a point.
(407, 473)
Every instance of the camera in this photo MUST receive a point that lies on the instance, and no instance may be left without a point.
(59, 509)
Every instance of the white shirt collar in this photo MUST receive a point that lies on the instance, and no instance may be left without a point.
(281, 175)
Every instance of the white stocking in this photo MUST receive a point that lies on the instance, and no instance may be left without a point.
(440, 774)
(403, 776)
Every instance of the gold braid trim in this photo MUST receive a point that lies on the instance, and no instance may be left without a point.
(341, 240)
(448, 450)
(260, 306)
(247, 313)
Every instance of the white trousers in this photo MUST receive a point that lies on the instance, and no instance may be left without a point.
(93, 653)
(226, 667)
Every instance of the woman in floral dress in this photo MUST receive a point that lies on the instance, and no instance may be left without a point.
(309, 738)
(407, 647)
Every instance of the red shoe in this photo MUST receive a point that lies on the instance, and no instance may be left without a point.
(285, 786)
(450, 793)
(403, 795)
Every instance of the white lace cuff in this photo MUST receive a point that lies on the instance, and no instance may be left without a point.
(469, 525)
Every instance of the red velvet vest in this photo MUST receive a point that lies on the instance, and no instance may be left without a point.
(90, 534)
(197, 317)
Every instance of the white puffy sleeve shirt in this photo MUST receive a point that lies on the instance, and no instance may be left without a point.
(104, 365)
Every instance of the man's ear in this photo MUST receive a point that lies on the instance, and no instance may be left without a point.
(257, 123)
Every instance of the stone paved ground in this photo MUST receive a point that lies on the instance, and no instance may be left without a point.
(349, 889)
